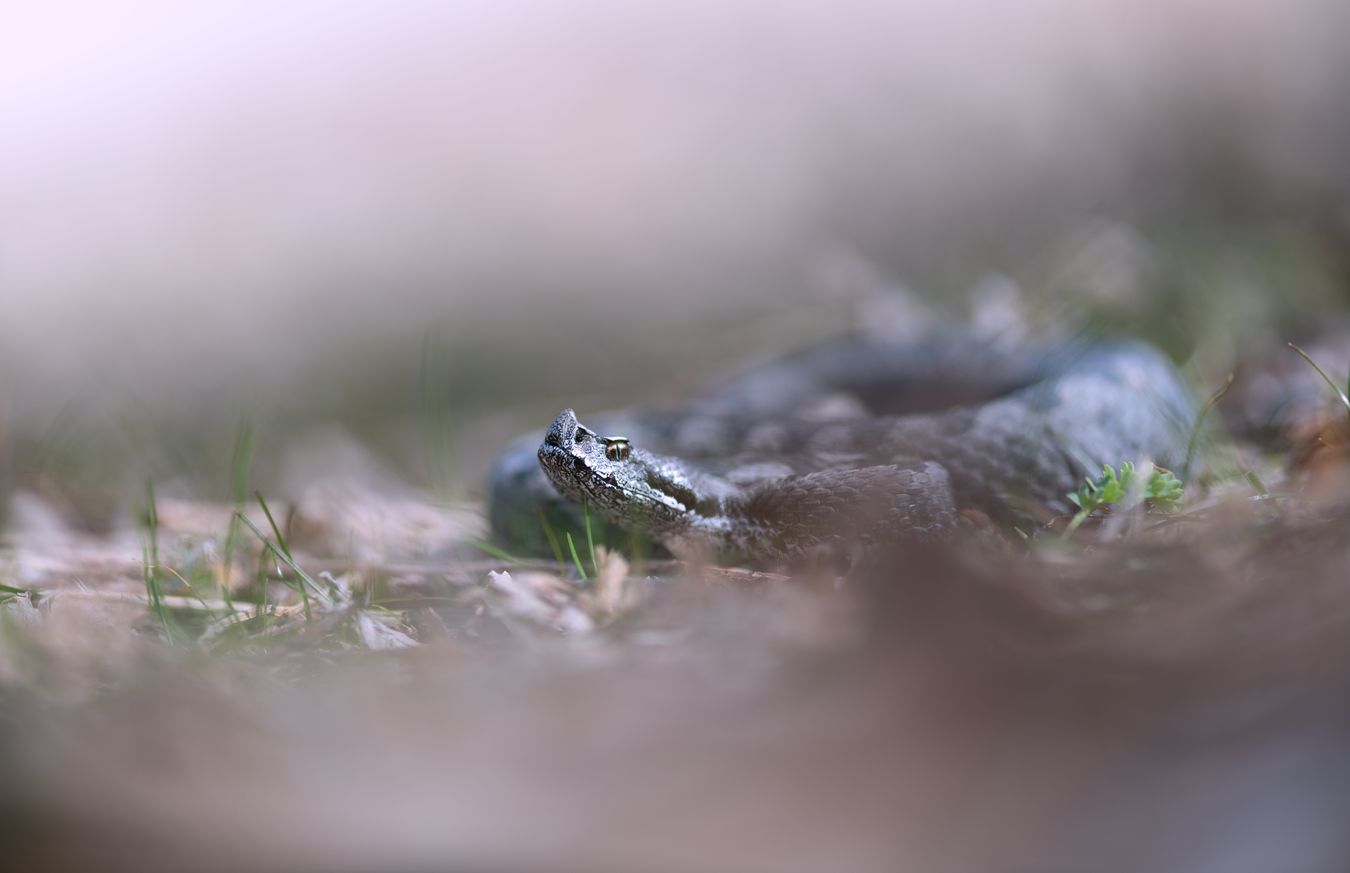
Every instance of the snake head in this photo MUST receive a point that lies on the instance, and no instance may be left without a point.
(628, 485)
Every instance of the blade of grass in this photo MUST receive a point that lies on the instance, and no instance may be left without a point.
(260, 577)
(240, 463)
(305, 578)
(192, 590)
(1074, 523)
(1209, 404)
(590, 540)
(495, 551)
(1345, 401)
(224, 586)
(552, 537)
(281, 541)
(185, 584)
(151, 587)
(150, 558)
(581, 571)
(281, 538)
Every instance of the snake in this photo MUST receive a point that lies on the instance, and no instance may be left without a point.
(855, 443)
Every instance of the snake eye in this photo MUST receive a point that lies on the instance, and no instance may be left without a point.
(617, 449)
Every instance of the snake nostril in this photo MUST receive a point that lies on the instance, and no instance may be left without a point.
(563, 430)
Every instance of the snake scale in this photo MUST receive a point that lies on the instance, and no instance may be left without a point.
(857, 442)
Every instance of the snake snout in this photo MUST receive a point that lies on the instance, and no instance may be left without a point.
(563, 430)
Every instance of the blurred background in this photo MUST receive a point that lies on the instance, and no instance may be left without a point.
(364, 214)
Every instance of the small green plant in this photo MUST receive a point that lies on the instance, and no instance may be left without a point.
(1163, 491)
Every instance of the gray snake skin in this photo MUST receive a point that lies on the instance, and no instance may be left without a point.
(855, 443)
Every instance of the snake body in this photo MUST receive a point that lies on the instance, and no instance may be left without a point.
(817, 450)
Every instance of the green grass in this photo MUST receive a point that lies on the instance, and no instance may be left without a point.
(496, 551)
(322, 618)
(282, 553)
(241, 463)
(571, 546)
(290, 559)
(551, 536)
(556, 544)
(150, 559)
(590, 538)
(311, 614)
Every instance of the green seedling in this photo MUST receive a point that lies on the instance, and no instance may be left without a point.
(1163, 492)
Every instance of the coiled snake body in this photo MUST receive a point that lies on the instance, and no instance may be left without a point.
(822, 449)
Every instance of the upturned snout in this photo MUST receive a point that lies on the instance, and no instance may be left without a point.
(563, 431)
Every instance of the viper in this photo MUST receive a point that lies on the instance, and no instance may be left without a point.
(858, 442)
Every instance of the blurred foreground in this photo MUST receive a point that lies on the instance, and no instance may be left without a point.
(1156, 703)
